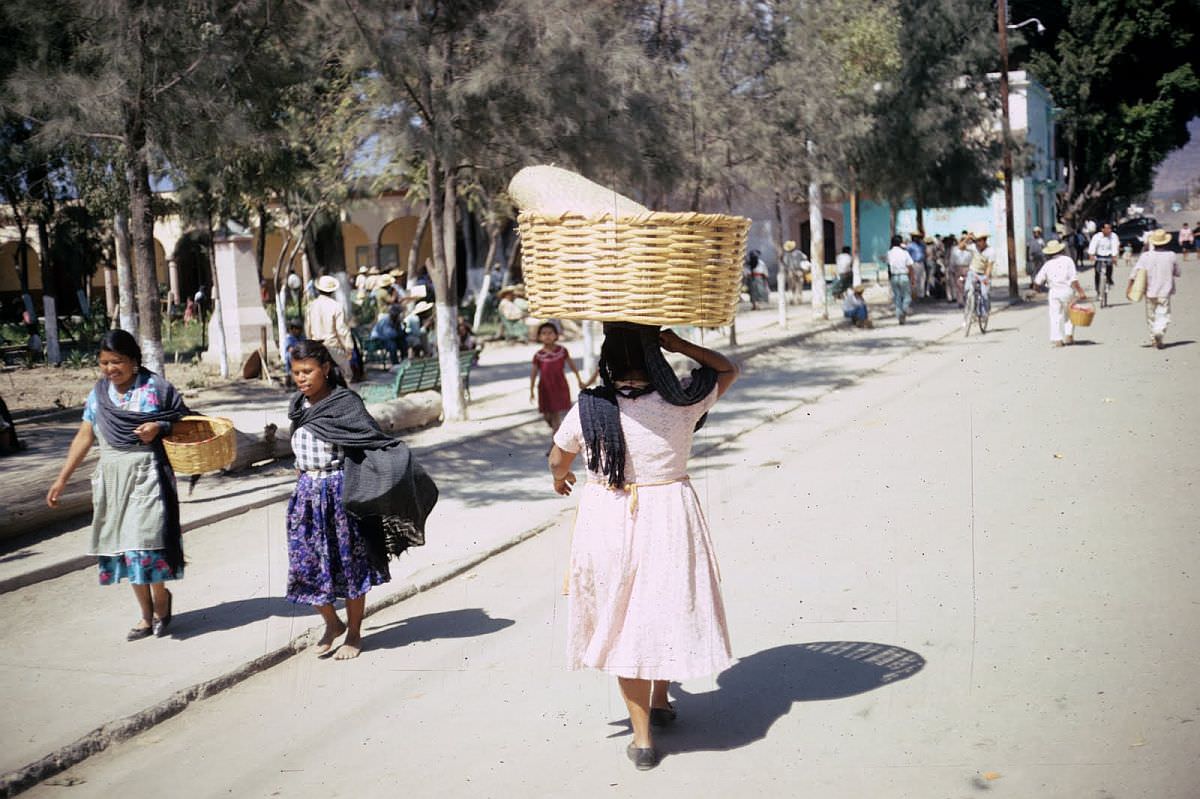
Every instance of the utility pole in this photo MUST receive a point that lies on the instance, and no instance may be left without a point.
(1014, 294)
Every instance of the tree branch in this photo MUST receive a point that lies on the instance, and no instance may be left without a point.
(173, 81)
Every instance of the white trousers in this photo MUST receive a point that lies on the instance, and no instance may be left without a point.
(1060, 323)
(1158, 314)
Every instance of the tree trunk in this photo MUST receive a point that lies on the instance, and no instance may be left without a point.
(443, 205)
(780, 269)
(49, 293)
(126, 285)
(485, 287)
(414, 251)
(218, 314)
(260, 247)
(137, 175)
(816, 224)
(920, 217)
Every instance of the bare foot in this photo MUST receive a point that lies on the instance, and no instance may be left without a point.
(331, 633)
(350, 648)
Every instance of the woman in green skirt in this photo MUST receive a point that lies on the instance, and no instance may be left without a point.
(135, 526)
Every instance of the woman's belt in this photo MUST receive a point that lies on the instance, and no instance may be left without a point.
(632, 489)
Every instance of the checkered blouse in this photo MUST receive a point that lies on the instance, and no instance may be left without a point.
(313, 455)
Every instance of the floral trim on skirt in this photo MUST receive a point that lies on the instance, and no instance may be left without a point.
(328, 558)
(138, 566)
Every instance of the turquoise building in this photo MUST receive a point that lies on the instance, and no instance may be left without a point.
(1031, 115)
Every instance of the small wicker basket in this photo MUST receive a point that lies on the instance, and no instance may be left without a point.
(199, 444)
(655, 269)
(1081, 315)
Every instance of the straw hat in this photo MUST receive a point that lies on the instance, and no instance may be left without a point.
(385, 281)
(1160, 238)
(789, 245)
(1054, 247)
(981, 234)
(374, 270)
(327, 284)
(422, 307)
(929, 239)
(396, 273)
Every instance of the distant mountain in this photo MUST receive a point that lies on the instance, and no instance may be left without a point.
(1181, 169)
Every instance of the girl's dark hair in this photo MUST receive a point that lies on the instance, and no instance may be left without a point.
(315, 350)
(629, 349)
(122, 343)
(897, 241)
(545, 325)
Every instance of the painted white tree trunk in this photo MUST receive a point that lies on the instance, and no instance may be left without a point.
(781, 293)
(453, 402)
(817, 251)
(481, 299)
(589, 349)
(125, 285)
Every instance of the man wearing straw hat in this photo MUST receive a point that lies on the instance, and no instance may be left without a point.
(1059, 274)
(983, 261)
(1161, 267)
(325, 321)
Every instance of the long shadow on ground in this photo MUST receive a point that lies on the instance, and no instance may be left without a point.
(462, 623)
(760, 689)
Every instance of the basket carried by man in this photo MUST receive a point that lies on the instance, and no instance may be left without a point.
(199, 444)
(1080, 314)
(590, 253)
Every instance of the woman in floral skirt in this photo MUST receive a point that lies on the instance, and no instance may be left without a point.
(135, 524)
(330, 556)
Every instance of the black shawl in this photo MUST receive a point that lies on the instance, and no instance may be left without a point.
(382, 478)
(600, 419)
(117, 426)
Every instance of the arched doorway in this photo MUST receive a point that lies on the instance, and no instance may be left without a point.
(396, 239)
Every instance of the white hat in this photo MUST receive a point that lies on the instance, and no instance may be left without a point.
(421, 307)
(982, 234)
(327, 284)
(1053, 247)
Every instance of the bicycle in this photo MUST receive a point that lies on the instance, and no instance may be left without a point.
(974, 309)
(1103, 269)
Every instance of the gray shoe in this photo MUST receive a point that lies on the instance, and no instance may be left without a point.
(643, 759)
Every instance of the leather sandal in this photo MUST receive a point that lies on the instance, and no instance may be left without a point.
(138, 633)
(643, 759)
(161, 625)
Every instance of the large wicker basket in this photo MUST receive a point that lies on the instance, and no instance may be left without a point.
(653, 269)
(199, 444)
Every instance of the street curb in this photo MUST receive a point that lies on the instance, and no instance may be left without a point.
(104, 736)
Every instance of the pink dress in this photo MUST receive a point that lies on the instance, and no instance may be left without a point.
(554, 395)
(645, 593)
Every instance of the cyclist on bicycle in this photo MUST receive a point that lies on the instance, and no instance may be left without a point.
(1104, 247)
(979, 274)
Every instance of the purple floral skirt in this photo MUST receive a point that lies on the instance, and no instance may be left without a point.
(328, 557)
(138, 566)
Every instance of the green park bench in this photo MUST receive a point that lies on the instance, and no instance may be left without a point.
(419, 374)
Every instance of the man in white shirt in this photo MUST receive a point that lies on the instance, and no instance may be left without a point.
(1161, 267)
(1059, 275)
(900, 272)
(325, 321)
(1104, 247)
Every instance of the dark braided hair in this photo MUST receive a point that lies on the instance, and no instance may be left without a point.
(630, 348)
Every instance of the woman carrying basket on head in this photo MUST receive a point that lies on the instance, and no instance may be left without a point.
(135, 523)
(645, 596)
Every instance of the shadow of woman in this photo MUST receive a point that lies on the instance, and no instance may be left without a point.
(463, 623)
(228, 615)
(760, 689)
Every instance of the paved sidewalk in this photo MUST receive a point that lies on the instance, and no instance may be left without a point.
(77, 686)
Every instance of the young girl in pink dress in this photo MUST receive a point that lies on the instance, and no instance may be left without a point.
(645, 597)
(549, 376)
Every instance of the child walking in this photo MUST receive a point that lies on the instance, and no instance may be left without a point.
(549, 376)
